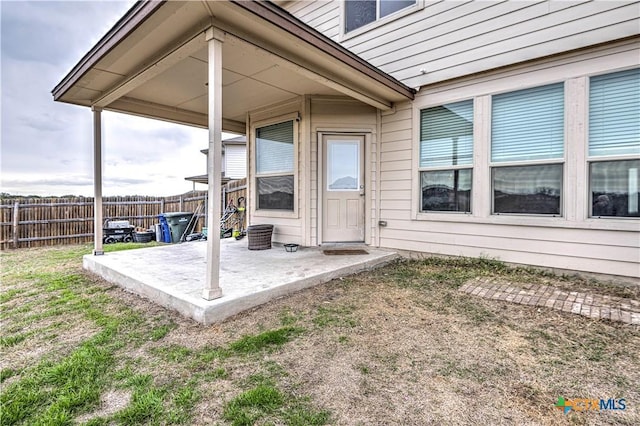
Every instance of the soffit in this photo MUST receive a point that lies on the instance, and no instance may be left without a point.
(159, 69)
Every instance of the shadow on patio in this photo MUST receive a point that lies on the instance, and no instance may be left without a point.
(173, 276)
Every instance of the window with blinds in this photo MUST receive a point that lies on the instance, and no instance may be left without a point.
(446, 157)
(275, 166)
(274, 148)
(527, 126)
(614, 130)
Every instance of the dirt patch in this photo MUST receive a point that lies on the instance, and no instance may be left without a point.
(111, 402)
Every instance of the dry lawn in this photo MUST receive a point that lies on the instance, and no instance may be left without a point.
(399, 345)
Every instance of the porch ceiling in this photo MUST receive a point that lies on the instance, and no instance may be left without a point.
(154, 63)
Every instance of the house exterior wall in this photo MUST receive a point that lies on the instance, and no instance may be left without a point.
(289, 226)
(316, 116)
(455, 51)
(573, 241)
(341, 115)
(440, 40)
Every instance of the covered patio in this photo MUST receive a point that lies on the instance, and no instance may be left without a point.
(173, 276)
(235, 66)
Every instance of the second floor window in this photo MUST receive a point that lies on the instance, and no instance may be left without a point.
(362, 12)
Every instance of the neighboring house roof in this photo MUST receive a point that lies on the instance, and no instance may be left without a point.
(153, 63)
(204, 179)
(240, 140)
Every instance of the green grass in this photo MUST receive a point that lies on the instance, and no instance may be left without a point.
(51, 392)
(267, 340)
(9, 341)
(62, 386)
(335, 316)
(265, 403)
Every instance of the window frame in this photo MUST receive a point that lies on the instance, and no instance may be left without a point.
(590, 159)
(294, 117)
(421, 169)
(523, 163)
(344, 35)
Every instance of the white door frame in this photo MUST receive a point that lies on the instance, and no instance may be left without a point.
(366, 155)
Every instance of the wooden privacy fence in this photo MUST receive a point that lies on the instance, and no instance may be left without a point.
(35, 222)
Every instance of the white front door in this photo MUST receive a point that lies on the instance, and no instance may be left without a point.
(343, 189)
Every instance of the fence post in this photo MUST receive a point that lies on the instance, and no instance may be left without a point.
(162, 205)
(181, 203)
(206, 209)
(224, 197)
(16, 223)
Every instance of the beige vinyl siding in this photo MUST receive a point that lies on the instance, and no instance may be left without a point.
(323, 15)
(449, 39)
(341, 115)
(574, 241)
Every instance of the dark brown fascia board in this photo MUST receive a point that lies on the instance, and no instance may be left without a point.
(284, 20)
(131, 20)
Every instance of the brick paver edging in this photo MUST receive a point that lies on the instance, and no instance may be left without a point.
(586, 304)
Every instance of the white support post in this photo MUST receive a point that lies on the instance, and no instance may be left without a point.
(97, 181)
(212, 289)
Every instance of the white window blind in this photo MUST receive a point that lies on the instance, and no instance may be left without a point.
(614, 114)
(446, 135)
(528, 124)
(274, 148)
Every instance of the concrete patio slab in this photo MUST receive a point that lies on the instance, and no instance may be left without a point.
(173, 276)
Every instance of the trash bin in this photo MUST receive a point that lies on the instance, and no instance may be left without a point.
(259, 237)
(178, 223)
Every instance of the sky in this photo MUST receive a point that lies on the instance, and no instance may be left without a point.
(46, 147)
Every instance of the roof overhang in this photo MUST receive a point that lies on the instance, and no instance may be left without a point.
(153, 63)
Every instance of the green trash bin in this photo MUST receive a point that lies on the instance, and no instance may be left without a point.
(178, 223)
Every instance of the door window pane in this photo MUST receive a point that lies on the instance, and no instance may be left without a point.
(275, 192)
(446, 190)
(614, 114)
(274, 148)
(614, 188)
(343, 165)
(528, 124)
(527, 189)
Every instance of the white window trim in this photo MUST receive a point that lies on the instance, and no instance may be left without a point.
(563, 184)
(416, 190)
(444, 168)
(419, 5)
(575, 177)
(295, 214)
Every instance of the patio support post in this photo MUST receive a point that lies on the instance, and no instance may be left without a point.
(97, 181)
(212, 289)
